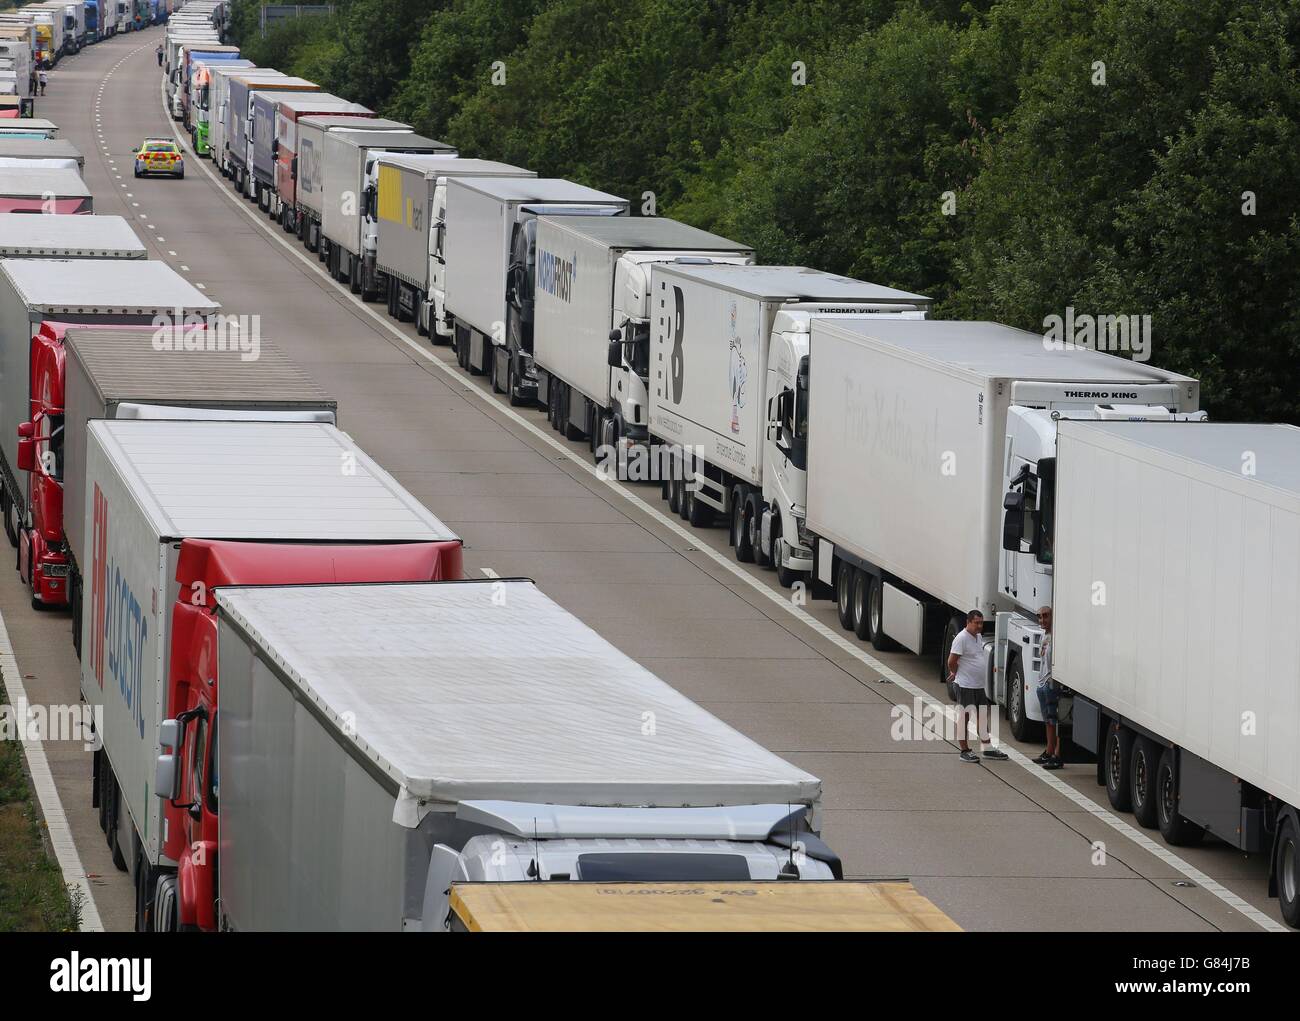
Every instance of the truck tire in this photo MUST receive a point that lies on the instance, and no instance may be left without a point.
(115, 807)
(845, 581)
(754, 522)
(515, 399)
(740, 528)
(1286, 869)
(1118, 756)
(684, 503)
(861, 583)
(1142, 778)
(1178, 830)
(698, 513)
(954, 625)
(6, 506)
(675, 495)
(492, 376)
(1022, 727)
(880, 641)
(784, 576)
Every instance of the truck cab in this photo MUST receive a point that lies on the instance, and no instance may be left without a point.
(518, 842)
(1028, 521)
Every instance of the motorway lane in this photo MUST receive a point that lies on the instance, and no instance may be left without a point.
(992, 845)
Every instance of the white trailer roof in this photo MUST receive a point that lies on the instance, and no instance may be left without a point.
(27, 124)
(537, 189)
(322, 101)
(57, 181)
(777, 283)
(252, 480)
(1217, 447)
(334, 121)
(489, 690)
(446, 165)
(104, 286)
(39, 148)
(644, 232)
(993, 351)
(24, 235)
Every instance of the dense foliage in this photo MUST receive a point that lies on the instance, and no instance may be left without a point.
(1010, 158)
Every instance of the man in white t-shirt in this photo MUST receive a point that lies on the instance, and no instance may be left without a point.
(967, 664)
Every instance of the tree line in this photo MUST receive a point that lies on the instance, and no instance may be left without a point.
(1012, 159)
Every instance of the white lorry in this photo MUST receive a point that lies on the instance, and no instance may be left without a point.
(1176, 596)
(591, 337)
(347, 157)
(405, 212)
(220, 123)
(23, 236)
(152, 490)
(455, 758)
(916, 434)
(725, 343)
(491, 235)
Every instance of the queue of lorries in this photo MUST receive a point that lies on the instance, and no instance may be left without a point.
(235, 565)
(38, 35)
(911, 469)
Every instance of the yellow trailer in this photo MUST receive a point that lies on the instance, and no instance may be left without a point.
(694, 907)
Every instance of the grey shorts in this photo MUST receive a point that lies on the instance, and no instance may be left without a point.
(972, 697)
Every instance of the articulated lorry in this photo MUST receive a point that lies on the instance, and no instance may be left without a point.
(43, 190)
(119, 372)
(175, 47)
(491, 235)
(347, 247)
(241, 130)
(203, 100)
(917, 432)
(591, 337)
(39, 299)
(28, 127)
(725, 342)
(74, 26)
(274, 159)
(305, 150)
(191, 56)
(406, 211)
(38, 154)
(221, 116)
(455, 758)
(1175, 598)
(174, 511)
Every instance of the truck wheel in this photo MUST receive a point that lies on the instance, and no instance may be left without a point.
(115, 845)
(1118, 752)
(954, 625)
(1178, 830)
(515, 399)
(755, 520)
(685, 500)
(1142, 777)
(740, 530)
(698, 513)
(675, 496)
(861, 582)
(5, 507)
(784, 576)
(1287, 870)
(1022, 727)
(492, 375)
(845, 580)
(880, 641)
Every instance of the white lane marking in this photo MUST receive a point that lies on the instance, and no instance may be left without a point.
(56, 821)
(798, 613)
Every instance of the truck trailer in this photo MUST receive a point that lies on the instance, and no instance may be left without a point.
(174, 510)
(1175, 597)
(239, 123)
(43, 190)
(348, 155)
(23, 236)
(40, 154)
(119, 373)
(917, 435)
(491, 235)
(406, 212)
(264, 159)
(591, 336)
(39, 299)
(190, 57)
(307, 167)
(282, 194)
(455, 757)
(222, 115)
(724, 342)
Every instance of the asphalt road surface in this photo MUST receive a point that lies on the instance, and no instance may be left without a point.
(997, 846)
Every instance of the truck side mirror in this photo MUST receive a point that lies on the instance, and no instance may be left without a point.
(166, 775)
(1013, 522)
(26, 446)
(615, 354)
